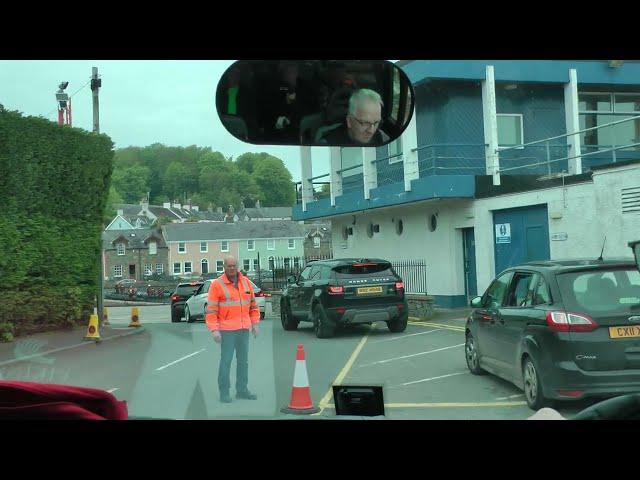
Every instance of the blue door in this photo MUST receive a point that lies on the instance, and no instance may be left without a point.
(470, 281)
(520, 235)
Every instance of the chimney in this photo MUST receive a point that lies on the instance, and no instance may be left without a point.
(241, 205)
(120, 212)
(219, 209)
(166, 205)
(187, 208)
(258, 203)
(195, 208)
(177, 205)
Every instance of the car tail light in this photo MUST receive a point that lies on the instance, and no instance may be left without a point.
(399, 285)
(570, 322)
(570, 393)
(340, 311)
(263, 294)
(364, 265)
(335, 290)
(175, 298)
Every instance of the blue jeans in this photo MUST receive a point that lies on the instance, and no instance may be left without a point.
(238, 341)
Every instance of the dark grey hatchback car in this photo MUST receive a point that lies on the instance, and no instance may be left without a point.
(560, 329)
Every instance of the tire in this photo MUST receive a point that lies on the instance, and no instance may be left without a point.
(323, 327)
(187, 314)
(471, 356)
(286, 317)
(533, 386)
(399, 324)
(174, 316)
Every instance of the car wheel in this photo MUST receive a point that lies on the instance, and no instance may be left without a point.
(399, 324)
(321, 324)
(286, 317)
(532, 386)
(472, 357)
(187, 314)
(175, 317)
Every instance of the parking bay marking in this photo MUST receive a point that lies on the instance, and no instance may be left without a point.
(180, 359)
(406, 336)
(412, 355)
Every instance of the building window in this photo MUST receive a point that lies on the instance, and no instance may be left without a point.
(251, 245)
(148, 270)
(153, 248)
(292, 243)
(204, 265)
(287, 263)
(224, 246)
(296, 262)
(121, 249)
(271, 244)
(395, 151)
(219, 266)
(316, 242)
(187, 267)
(159, 268)
(117, 271)
(182, 248)
(596, 109)
(272, 263)
(176, 268)
(246, 265)
(510, 130)
(256, 264)
(204, 247)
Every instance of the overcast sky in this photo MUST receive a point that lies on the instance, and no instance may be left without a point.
(141, 102)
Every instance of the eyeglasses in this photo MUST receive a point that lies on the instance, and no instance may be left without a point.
(365, 125)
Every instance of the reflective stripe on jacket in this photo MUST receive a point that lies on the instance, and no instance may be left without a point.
(231, 308)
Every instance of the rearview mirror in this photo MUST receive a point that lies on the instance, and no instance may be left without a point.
(291, 279)
(476, 302)
(315, 102)
(635, 246)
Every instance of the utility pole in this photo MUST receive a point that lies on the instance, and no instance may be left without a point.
(96, 83)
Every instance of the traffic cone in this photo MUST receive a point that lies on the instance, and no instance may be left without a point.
(105, 317)
(92, 330)
(300, 402)
(135, 322)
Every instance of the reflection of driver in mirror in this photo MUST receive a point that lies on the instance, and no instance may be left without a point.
(362, 122)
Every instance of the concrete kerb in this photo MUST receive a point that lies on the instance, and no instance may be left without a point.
(131, 331)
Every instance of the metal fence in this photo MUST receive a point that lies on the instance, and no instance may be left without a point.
(412, 272)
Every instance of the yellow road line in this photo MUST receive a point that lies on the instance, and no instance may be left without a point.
(439, 325)
(450, 405)
(324, 403)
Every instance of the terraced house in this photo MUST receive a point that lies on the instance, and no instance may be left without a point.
(199, 248)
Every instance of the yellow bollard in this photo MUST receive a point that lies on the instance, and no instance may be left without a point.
(135, 317)
(105, 317)
(92, 330)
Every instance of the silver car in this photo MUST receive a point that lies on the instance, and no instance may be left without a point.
(196, 304)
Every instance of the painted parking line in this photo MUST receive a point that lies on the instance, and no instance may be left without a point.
(450, 405)
(179, 360)
(438, 325)
(401, 337)
(113, 390)
(435, 378)
(325, 402)
(510, 397)
(412, 355)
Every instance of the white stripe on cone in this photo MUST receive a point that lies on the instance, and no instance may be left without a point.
(300, 378)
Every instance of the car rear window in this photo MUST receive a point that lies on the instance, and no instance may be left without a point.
(601, 291)
(363, 268)
(187, 289)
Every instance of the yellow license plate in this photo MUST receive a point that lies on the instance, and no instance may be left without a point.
(369, 290)
(624, 332)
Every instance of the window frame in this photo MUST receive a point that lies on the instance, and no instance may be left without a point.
(182, 248)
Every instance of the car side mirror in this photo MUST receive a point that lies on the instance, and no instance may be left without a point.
(635, 246)
(476, 302)
(291, 279)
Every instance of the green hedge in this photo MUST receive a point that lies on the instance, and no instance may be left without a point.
(53, 190)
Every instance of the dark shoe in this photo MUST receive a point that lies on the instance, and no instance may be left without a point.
(225, 398)
(246, 395)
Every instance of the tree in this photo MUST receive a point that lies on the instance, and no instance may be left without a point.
(131, 182)
(176, 180)
(275, 182)
(113, 199)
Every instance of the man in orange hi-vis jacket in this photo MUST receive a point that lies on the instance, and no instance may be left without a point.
(231, 313)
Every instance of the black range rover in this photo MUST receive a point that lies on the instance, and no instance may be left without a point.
(341, 292)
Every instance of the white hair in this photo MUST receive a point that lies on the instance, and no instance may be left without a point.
(359, 96)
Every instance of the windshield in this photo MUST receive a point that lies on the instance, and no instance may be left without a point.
(123, 182)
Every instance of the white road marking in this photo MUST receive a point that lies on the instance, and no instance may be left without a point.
(180, 359)
(112, 390)
(511, 396)
(413, 355)
(436, 378)
(405, 336)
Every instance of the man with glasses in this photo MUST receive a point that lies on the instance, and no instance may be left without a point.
(362, 123)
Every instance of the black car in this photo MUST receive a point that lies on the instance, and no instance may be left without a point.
(340, 292)
(560, 329)
(180, 297)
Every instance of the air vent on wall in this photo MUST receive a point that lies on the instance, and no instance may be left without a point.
(631, 200)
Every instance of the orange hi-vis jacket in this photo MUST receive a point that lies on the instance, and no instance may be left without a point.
(231, 308)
